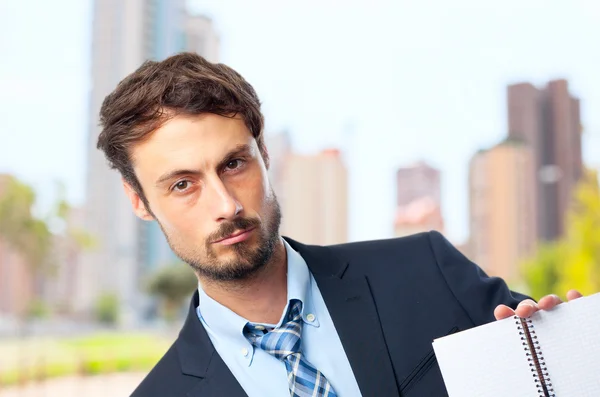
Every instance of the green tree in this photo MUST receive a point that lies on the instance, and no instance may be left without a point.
(26, 234)
(171, 284)
(107, 308)
(542, 272)
(32, 236)
(19, 228)
(582, 269)
(573, 262)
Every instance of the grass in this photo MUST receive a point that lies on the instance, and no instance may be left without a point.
(36, 359)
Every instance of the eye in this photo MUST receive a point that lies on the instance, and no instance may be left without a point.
(233, 164)
(181, 185)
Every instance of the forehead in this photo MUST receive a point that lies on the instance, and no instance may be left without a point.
(190, 142)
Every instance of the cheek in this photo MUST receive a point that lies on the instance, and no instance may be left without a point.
(252, 193)
(181, 218)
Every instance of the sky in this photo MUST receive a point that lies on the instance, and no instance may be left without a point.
(388, 82)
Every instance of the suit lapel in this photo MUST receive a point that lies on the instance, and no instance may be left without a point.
(218, 382)
(199, 358)
(354, 314)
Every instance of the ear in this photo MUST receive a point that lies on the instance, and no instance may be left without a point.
(136, 202)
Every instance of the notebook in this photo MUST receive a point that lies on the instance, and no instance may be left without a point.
(553, 353)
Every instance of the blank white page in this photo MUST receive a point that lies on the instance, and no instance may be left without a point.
(569, 337)
(488, 360)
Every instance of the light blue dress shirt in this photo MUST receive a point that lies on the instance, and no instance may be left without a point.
(259, 373)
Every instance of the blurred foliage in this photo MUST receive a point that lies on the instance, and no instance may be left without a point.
(172, 284)
(37, 308)
(19, 228)
(574, 261)
(107, 308)
(60, 213)
(34, 238)
(96, 354)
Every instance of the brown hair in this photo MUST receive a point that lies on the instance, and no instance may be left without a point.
(185, 83)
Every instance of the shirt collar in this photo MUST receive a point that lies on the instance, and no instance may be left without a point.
(299, 285)
(229, 326)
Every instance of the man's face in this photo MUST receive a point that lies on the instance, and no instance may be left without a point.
(206, 184)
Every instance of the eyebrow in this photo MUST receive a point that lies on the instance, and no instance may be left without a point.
(239, 150)
(174, 174)
(236, 151)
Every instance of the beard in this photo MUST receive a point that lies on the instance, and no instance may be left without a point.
(248, 257)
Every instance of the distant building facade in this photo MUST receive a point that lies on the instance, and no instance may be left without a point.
(418, 200)
(313, 193)
(548, 120)
(502, 217)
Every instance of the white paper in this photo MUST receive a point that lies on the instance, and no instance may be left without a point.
(488, 360)
(569, 337)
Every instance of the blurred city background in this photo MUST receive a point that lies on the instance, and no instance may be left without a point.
(383, 118)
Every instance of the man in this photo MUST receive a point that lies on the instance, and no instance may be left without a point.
(272, 316)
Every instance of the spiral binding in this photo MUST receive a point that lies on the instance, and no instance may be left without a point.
(536, 361)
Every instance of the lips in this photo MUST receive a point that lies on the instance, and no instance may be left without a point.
(235, 237)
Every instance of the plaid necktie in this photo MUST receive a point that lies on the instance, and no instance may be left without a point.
(284, 344)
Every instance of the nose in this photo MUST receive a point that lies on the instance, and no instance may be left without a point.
(222, 203)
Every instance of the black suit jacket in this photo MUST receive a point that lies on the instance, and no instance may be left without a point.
(388, 299)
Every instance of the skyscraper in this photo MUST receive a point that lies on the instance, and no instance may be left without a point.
(502, 217)
(200, 36)
(420, 215)
(314, 197)
(548, 119)
(416, 181)
(163, 24)
(418, 200)
(119, 45)
(279, 147)
(125, 34)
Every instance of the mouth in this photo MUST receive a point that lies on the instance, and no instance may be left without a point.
(236, 237)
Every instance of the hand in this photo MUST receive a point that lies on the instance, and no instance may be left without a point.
(527, 307)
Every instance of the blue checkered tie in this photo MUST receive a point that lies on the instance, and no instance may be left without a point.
(284, 344)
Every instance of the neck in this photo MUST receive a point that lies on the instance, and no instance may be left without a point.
(260, 299)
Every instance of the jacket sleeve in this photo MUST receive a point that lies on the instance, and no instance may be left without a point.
(476, 292)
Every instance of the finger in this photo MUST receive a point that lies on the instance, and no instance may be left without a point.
(526, 308)
(573, 294)
(503, 311)
(548, 302)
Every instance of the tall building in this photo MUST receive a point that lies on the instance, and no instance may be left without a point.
(420, 215)
(502, 217)
(314, 197)
(119, 45)
(162, 27)
(416, 181)
(279, 148)
(418, 200)
(548, 119)
(200, 36)
(125, 34)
